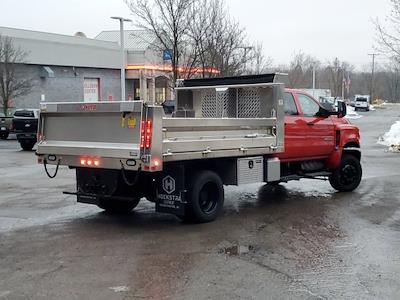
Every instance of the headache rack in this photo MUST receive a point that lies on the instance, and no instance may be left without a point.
(222, 117)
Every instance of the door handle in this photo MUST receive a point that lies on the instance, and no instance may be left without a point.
(310, 124)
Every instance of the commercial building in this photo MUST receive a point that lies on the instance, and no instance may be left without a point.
(75, 68)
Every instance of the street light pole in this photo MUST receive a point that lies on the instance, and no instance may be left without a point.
(123, 58)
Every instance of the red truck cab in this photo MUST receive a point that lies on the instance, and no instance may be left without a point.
(317, 141)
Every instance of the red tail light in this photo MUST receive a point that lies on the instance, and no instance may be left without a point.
(146, 134)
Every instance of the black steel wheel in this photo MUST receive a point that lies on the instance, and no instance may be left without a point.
(348, 176)
(206, 197)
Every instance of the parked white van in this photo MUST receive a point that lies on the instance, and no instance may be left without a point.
(362, 102)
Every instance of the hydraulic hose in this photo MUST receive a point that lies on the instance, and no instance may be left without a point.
(126, 179)
(47, 172)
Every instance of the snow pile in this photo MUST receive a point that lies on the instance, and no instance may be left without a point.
(392, 138)
(352, 114)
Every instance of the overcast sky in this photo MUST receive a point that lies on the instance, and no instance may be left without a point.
(325, 29)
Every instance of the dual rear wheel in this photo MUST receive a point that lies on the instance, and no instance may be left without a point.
(205, 199)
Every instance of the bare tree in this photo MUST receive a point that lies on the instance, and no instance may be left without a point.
(388, 34)
(168, 20)
(12, 84)
(201, 34)
(338, 71)
(220, 41)
(300, 70)
(259, 63)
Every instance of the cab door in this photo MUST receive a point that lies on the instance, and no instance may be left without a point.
(319, 131)
(294, 129)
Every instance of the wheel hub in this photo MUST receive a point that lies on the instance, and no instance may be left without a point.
(348, 174)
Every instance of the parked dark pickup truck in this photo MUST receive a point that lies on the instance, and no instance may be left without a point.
(5, 126)
(25, 124)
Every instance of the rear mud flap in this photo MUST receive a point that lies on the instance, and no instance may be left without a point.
(171, 193)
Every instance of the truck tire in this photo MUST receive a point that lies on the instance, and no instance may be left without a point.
(118, 207)
(27, 146)
(206, 197)
(4, 135)
(348, 176)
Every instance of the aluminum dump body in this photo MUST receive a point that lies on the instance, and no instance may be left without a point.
(213, 119)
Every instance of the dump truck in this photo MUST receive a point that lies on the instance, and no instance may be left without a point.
(224, 131)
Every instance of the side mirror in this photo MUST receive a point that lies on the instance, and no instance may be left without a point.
(323, 113)
(342, 109)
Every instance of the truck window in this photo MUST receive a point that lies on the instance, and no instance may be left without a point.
(309, 107)
(24, 113)
(290, 105)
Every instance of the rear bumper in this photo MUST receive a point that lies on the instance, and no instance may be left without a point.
(75, 161)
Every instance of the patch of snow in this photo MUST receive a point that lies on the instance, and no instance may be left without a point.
(372, 108)
(392, 138)
(120, 289)
(390, 104)
(351, 113)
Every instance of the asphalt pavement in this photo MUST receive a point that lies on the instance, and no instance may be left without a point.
(301, 240)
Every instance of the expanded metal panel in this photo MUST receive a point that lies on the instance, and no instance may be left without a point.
(208, 104)
(218, 104)
(249, 103)
(233, 103)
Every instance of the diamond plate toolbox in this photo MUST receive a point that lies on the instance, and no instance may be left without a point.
(250, 170)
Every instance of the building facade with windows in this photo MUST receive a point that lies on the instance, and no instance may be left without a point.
(75, 68)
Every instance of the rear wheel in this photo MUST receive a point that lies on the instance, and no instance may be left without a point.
(118, 206)
(27, 146)
(348, 176)
(206, 197)
(4, 135)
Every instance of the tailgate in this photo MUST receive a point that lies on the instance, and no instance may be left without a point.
(74, 130)
(25, 125)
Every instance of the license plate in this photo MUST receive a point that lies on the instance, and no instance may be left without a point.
(3, 129)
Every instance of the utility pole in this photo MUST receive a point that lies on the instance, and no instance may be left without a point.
(343, 84)
(372, 89)
(313, 79)
(123, 57)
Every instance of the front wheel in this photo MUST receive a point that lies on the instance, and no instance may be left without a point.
(117, 206)
(347, 177)
(206, 197)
